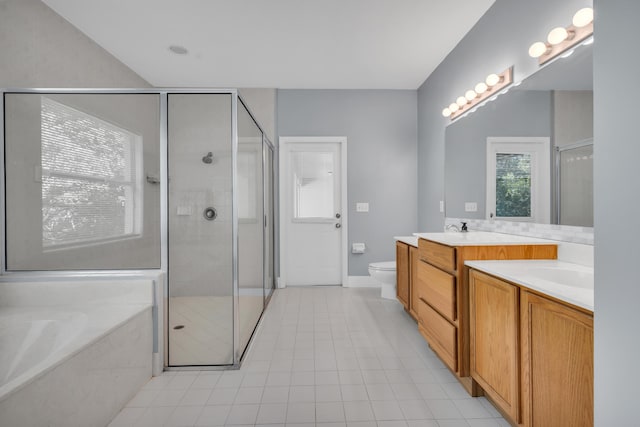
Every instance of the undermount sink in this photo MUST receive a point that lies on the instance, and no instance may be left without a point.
(572, 283)
(563, 276)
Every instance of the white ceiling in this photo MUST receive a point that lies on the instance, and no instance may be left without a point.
(339, 44)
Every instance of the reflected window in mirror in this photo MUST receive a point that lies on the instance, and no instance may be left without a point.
(517, 179)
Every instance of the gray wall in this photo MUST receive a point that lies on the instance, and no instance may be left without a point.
(617, 149)
(500, 39)
(262, 104)
(381, 129)
(518, 113)
(573, 116)
(38, 48)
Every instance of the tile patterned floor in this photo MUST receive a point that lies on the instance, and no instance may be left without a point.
(326, 357)
(206, 336)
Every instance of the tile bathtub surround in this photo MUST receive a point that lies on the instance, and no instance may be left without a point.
(565, 233)
(323, 356)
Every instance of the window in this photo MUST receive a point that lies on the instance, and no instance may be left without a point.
(91, 178)
(518, 179)
(513, 185)
(313, 184)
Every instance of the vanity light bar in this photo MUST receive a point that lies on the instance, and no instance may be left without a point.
(491, 86)
(561, 39)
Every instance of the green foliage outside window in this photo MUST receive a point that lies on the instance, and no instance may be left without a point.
(513, 185)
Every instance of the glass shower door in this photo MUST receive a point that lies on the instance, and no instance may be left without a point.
(200, 230)
(250, 226)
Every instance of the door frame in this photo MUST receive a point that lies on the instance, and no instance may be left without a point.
(284, 229)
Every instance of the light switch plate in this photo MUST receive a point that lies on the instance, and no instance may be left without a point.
(470, 207)
(362, 207)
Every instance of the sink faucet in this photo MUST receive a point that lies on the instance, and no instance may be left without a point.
(455, 228)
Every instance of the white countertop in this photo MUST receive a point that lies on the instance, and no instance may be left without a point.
(409, 240)
(572, 283)
(482, 238)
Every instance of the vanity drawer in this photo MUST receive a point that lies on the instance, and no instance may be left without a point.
(439, 255)
(441, 335)
(437, 288)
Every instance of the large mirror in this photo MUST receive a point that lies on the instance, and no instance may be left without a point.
(527, 155)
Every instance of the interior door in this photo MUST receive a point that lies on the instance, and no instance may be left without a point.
(312, 213)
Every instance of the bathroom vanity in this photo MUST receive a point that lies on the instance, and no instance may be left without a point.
(406, 263)
(531, 340)
(439, 287)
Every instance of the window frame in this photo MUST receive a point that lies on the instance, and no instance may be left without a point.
(539, 149)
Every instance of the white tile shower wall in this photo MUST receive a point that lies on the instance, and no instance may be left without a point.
(564, 233)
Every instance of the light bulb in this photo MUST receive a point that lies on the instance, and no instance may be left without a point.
(454, 107)
(538, 49)
(461, 101)
(567, 54)
(446, 112)
(492, 80)
(557, 35)
(481, 88)
(583, 17)
(470, 95)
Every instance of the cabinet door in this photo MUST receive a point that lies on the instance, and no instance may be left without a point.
(494, 340)
(557, 364)
(402, 273)
(441, 335)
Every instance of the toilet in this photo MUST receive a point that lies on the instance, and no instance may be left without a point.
(385, 274)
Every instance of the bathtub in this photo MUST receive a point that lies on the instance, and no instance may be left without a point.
(72, 353)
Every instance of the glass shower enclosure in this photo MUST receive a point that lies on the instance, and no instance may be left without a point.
(179, 181)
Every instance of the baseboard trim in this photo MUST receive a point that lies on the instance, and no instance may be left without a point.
(361, 282)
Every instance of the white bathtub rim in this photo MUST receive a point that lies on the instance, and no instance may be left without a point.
(37, 372)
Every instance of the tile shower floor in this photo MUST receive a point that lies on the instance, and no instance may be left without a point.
(323, 356)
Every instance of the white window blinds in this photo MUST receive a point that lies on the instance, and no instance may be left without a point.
(91, 179)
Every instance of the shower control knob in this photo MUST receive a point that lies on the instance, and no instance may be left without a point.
(338, 215)
(210, 214)
(338, 225)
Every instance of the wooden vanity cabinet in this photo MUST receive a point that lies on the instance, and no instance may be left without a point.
(557, 363)
(403, 273)
(532, 355)
(494, 317)
(441, 297)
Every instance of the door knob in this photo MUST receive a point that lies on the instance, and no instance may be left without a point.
(338, 215)
(338, 225)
